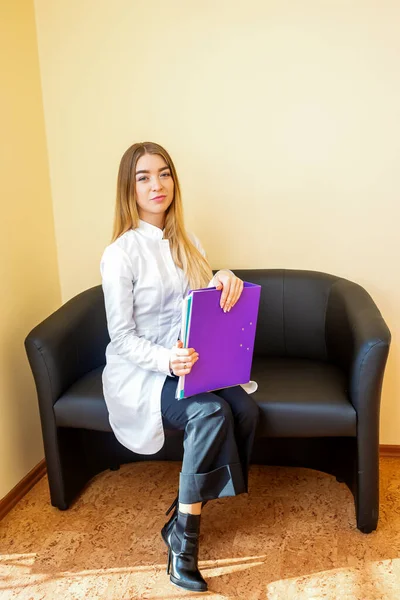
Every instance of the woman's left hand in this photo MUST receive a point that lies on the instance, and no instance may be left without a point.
(231, 287)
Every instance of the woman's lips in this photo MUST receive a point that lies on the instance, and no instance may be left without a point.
(158, 198)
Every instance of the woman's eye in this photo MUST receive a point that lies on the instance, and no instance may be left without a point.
(166, 174)
(142, 178)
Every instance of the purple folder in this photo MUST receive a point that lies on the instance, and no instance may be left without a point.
(224, 341)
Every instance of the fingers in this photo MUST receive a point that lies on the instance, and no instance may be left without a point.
(189, 361)
(185, 352)
(231, 298)
(225, 293)
(238, 291)
(183, 368)
(183, 359)
(231, 294)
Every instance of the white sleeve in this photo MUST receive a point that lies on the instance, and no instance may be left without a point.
(117, 282)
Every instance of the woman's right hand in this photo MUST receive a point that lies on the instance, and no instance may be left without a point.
(182, 359)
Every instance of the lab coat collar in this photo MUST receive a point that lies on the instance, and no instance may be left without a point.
(150, 230)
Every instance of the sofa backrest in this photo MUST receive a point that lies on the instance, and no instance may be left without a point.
(291, 320)
(292, 315)
(69, 343)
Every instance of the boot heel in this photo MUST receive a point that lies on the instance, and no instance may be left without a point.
(175, 502)
(166, 530)
(169, 561)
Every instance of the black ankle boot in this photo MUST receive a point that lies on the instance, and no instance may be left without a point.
(183, 549)
(166, 530)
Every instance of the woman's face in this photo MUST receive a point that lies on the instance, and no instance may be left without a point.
(154, 188)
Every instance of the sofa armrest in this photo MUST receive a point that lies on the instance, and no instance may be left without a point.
(68, 344)
(358, 339)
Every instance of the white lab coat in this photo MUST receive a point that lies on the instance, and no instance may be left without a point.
(143, 291)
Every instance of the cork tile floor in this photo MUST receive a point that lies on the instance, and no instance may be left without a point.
(293, 536)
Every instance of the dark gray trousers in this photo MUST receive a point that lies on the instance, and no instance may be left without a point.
(219, 429)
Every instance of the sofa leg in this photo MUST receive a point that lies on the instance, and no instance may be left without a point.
(60, 503)
(366, 528)
(115, 467)
(367, 518)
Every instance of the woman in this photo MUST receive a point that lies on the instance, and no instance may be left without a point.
(147, 270)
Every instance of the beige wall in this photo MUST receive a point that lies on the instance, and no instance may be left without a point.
(283, 119)
(28, 268)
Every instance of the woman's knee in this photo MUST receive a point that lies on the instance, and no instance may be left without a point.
(211, 406)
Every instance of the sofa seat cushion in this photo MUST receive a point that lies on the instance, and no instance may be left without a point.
(302, 398)
(83, 404)
(297, 397)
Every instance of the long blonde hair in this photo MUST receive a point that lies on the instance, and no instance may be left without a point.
(184, 252)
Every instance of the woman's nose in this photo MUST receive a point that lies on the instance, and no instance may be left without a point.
(156, 184)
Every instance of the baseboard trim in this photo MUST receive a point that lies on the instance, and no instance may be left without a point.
(22, 488)
(386, 451)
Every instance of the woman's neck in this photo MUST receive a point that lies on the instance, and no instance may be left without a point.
(156, 220)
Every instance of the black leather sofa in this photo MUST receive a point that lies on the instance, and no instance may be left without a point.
(320, 354)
